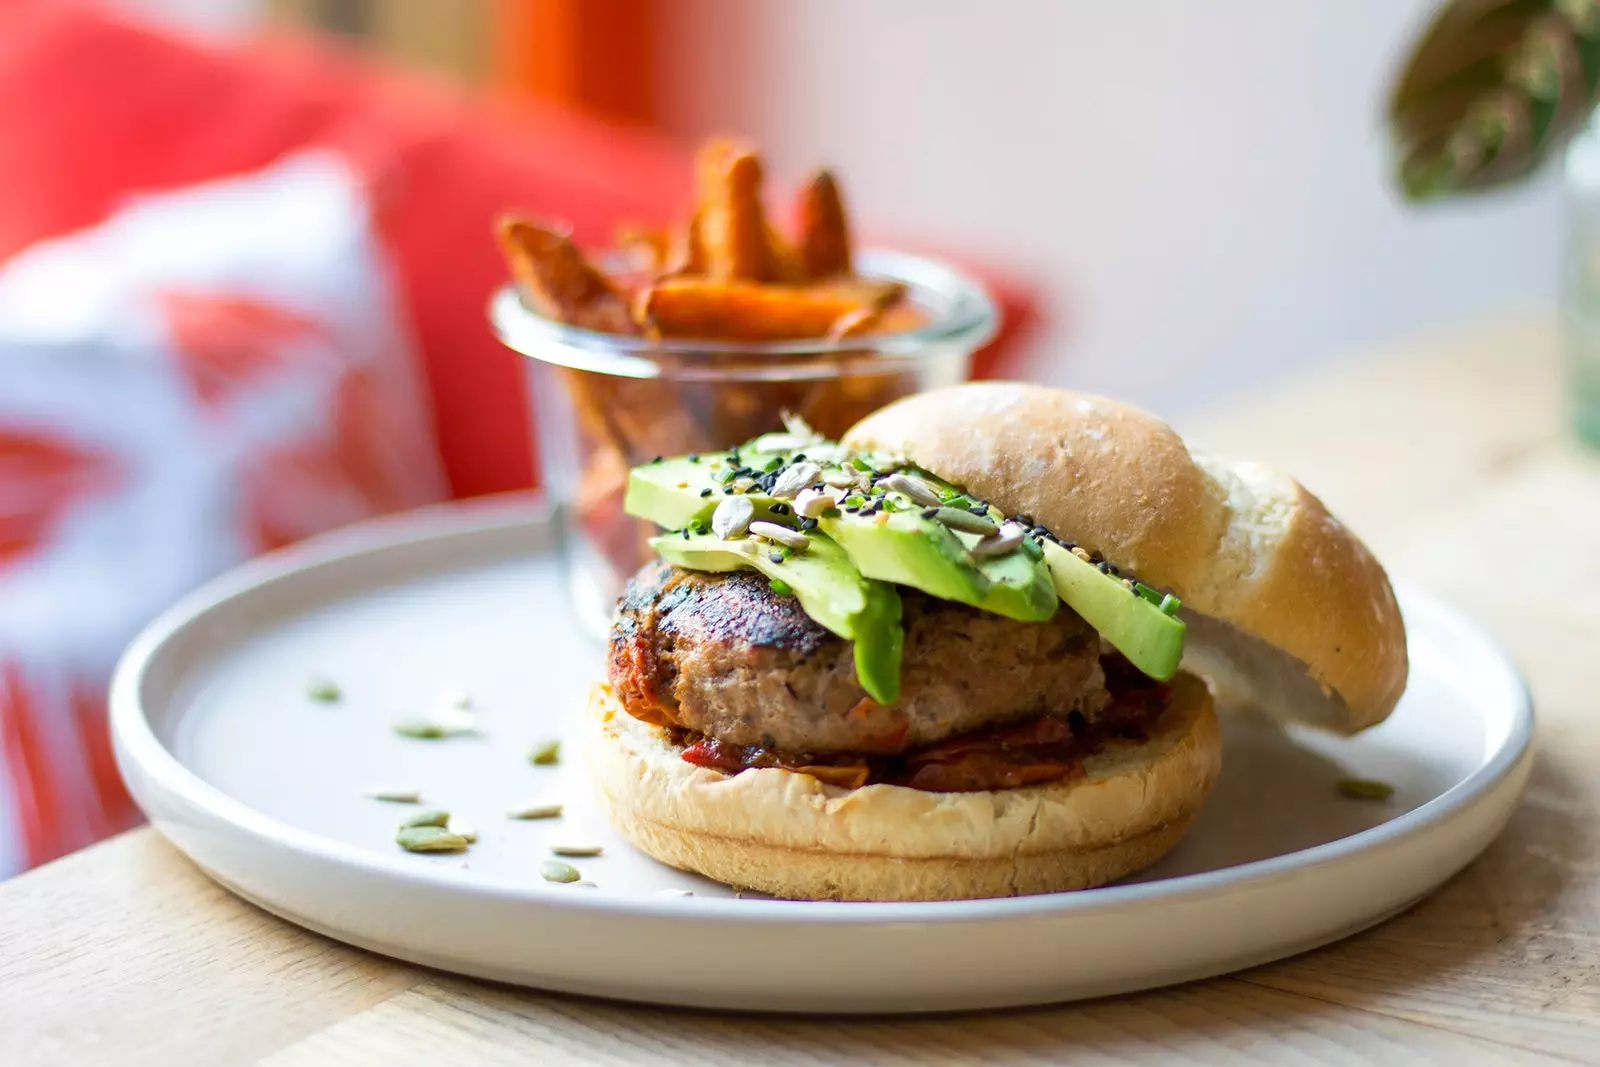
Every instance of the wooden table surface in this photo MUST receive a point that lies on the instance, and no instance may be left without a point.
(1448, 455)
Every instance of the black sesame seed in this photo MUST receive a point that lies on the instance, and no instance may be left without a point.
(705, 492)
(776, 557)
(1104, 567)
(702, 529)
(979, 509)
(811, 524)
(694, 457)
(929, 513)
(727, 490)
(686, 533)
(779, 509)
(1026, 520)
(658, 459)
(799, 457)
(851, 511)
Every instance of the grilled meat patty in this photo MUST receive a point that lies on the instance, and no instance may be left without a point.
(725, 656)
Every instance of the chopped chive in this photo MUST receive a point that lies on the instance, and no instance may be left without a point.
(860, 464)
(1170, 604)
(1031, 547)
(855, 500)
(725, 475)
(832, 513)
(773, 464)
(781, 587)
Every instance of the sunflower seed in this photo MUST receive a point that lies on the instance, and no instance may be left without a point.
(918, 490)
(795, 478)
(394, 794)
(771, 531)
(797, 425)
(732, 517)
(1365, 789)
(535, 811)
(840, 479)
(429, 839)
(1009, 539)
(813, 502)
(429, 817)
(545, 753)
(323, 691)
(965, 521)
(577, 850)
(556, 871)
(464, 829)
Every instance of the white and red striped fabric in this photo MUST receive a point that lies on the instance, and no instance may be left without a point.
(211, 372)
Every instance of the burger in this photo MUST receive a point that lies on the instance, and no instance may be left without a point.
(969, 650)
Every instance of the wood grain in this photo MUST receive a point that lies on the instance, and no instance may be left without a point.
(1449, 457)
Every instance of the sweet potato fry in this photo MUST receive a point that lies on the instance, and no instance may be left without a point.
(707, 310)
(643, 250)
(562, 284)
(686, 253)
(732, 230)
(823, 234)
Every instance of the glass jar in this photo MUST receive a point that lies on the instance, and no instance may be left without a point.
(604, 403)
(1580, 283)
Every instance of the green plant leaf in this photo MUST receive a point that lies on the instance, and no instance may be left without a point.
(1492, 90)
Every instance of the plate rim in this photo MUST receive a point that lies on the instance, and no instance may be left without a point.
(511, 513)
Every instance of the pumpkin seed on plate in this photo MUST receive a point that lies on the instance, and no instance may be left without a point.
(323, 691)
(556, 871)
(429, 839)
(394, 794)
(577, 850)
(427, 817)
(545, 753)
(535, 811)
(1365, 789)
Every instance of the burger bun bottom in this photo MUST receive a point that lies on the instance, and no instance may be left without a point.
(795, 837)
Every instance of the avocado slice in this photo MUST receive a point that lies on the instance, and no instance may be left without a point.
(1139, 628)
(907, 549)
(830, 589)
(678, 492)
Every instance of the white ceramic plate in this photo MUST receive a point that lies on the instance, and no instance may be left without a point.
(263, 786)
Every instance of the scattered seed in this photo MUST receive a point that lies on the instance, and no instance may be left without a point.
(743, 485)
(674, 892)
(584, 883)
(706, 491)
(881, 517)
(813, 502)
(1008, 539)
(910, 485)
(463, 828)
(839, 479)
(556, 871)
(683, 484)
(545, 753)
(732, 517)
(424, 729)
(782, 535)
(1365, 789)
(1082, 554)
(429, 839)
(323, 691)
(577, 850)
(535, 811)
(394, 794)
(429, 817)
(795, 478)
(965, 521)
